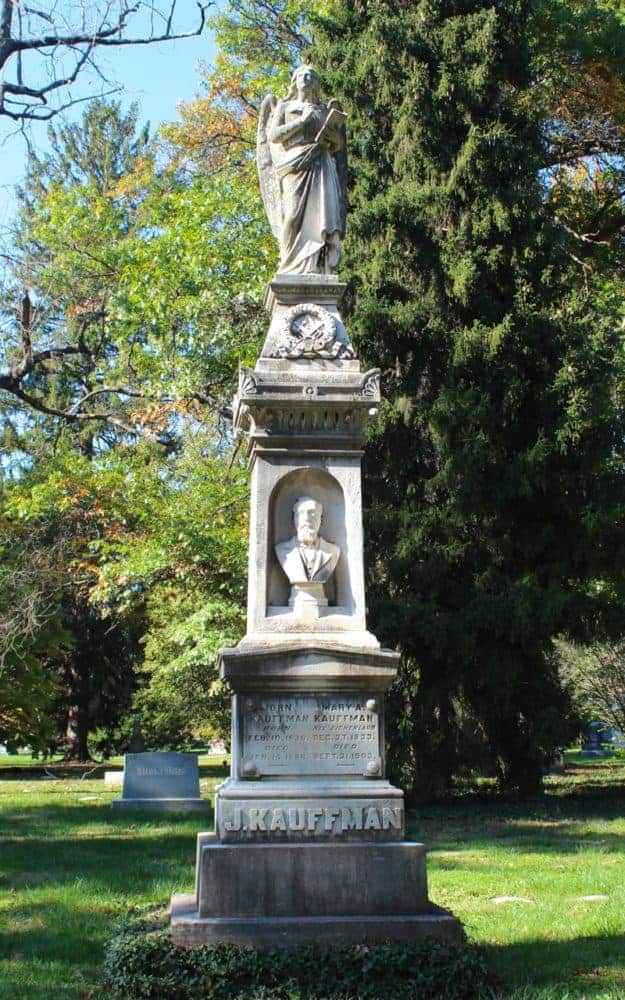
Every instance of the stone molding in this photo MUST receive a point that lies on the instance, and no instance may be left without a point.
(308, 666)
(291, 289)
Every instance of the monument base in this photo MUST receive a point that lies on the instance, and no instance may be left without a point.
(188, 930)
(311, 810)
(163, 805)
(271, 895)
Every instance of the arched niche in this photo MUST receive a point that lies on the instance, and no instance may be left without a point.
(322, 486)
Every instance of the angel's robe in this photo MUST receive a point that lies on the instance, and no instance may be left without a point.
(310, 191)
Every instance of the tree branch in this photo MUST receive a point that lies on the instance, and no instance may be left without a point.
(39, 93)
(81, 41)
(105, 36)
(220, 408)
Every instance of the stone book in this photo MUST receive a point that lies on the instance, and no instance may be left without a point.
(336, 120)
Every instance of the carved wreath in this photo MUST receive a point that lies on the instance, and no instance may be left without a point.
(310, 331)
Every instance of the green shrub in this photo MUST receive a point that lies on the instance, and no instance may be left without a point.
(141, 963)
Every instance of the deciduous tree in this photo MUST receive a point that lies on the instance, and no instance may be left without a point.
(595, 677)
(44, 49)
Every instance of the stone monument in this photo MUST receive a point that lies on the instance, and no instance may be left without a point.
(309, 840)
(162, 781)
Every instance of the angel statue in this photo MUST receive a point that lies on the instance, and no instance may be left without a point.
(302, 168)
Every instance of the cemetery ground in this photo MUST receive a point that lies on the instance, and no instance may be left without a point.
(540, 884)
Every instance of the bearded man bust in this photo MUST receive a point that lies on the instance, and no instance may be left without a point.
(307, 558)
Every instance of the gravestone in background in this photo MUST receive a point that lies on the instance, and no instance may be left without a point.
(309, 832)
(137, 743)
(597, 740)
(165, 781)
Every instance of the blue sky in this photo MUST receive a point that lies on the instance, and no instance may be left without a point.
(156, 76)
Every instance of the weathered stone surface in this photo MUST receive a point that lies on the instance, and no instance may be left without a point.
(301, 153)
(188, 930)
(288, 880)
(165, 781)
(339, 818)
(113, 779)
(281, 403)
(309, 832)
(310, 734)
(161, 776)
(305, 429)
(307, 560)
(291, 894)
(276, 486)
(285, 297)
(266, 664)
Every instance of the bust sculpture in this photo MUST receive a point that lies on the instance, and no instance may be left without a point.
(302, 170)
(307, 559)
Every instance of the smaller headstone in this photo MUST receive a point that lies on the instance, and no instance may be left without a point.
(161, 781)
(557, 765)
(113, 779)
(137, 743)
(597, 735)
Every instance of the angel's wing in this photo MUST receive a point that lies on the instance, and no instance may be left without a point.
(269, 183)
(341, 166)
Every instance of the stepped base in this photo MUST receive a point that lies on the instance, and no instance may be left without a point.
(189, 930)
(163, 805)
(271, 895)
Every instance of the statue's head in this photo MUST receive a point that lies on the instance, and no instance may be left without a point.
(307, 514)
(304, 82)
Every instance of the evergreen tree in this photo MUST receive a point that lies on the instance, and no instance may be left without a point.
(100, 149)
(493, 476)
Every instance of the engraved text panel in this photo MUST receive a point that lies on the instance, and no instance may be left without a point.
(310, 734)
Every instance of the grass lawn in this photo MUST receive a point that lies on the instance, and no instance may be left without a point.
(22, 760)
(70, 867)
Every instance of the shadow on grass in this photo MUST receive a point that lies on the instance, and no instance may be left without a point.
(583, 966)
(542, 826)
(18, 822)
(51, 845)
(67, 886)
(50, 934)
(95, 772)
(101, 864)
(546, 807)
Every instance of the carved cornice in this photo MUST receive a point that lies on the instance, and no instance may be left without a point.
(316, 407)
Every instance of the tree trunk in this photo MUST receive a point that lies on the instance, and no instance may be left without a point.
(77, 726)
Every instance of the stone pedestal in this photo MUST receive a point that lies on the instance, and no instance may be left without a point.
(291, 894)
(309, 841)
